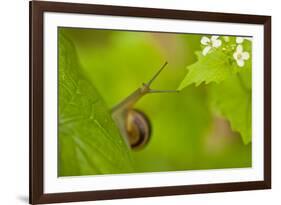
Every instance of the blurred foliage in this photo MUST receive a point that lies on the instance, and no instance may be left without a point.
(188, 131)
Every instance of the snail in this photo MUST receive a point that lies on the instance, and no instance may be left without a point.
(133, 124)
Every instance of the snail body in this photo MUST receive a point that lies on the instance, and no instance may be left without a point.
(134, 125)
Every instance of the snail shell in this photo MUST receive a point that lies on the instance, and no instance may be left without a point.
(138, 128)
(133, 124)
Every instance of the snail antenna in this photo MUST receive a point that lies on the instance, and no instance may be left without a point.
(155, 76)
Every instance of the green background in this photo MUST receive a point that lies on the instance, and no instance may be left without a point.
(187, 133)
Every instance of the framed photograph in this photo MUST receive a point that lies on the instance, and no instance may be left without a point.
(137, 102)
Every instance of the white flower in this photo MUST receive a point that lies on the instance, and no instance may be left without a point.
(239, 40)
(240, 56)
(210, 43)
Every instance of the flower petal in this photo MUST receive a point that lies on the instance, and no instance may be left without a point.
(206, 50)
(239, 49)
(205, 40)
(214, 38)
(216, 43)
(245, 55)
(239, 40)
(240, 62)
(235, 55)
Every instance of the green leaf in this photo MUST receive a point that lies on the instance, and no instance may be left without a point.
(217, 65)
(89, 141)
(214, 67)
(233, 99)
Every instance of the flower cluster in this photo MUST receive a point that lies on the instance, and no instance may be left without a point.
(214, 42)
(210, 44)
